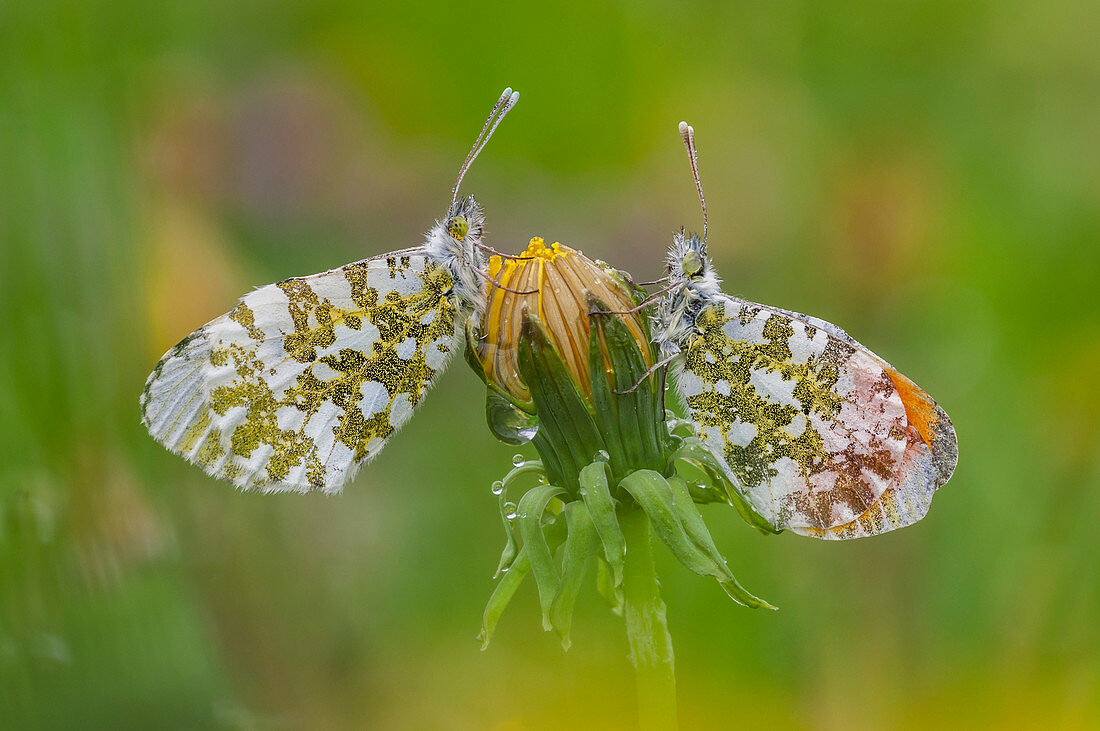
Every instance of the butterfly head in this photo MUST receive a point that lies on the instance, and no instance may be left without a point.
(465, 222)
(455, 242)
(688, 263)
(693, 262)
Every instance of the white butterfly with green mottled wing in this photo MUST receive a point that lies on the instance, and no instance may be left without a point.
(305, 380)
(822, 436)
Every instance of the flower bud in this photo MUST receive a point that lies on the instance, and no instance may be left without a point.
(565, 353)
(553, 283)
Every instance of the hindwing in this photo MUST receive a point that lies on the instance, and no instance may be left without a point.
(825, 438)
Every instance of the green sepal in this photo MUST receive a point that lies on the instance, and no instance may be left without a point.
(470, 352)
(617, 413)
(550, 453)
(547, 577)
(743, 596)
(529, 466)
(581, 545)
(510, 552)
(505, 589)
(609, 590)
(502, 595)
(699, 534)
(601, 508)
(511, 546)
(622, 446)
(639, 294)
(695, 452)
(700, 484)
(637, 417)
(629, 365)
(655, 496)
(567, 422)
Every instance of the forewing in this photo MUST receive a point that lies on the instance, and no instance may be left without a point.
(306, 379)
(826, 438)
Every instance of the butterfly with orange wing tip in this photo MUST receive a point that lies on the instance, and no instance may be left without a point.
(820, 435)
(305, 380)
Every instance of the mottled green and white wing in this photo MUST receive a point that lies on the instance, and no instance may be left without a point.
(824, 437)
(306, 379)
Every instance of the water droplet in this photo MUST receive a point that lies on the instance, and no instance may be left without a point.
(669, 416)
(504, 569)
(510, 510)
(497, 487)
(518, 460)
(509, 424)
(603, 455)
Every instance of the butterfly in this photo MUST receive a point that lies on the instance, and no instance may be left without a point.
(822, 436)
(305, 380)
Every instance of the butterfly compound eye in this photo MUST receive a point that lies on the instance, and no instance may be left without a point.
(692, 263)
(458, 227)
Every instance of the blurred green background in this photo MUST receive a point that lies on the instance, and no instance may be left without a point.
(926, 174)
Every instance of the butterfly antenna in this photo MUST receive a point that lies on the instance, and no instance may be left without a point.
(504, 105)
(687, 134)
(496, 108)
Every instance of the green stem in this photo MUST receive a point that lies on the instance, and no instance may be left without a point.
(647, 628)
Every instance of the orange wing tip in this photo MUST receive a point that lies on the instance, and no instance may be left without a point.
(920, 410)
(932, 424)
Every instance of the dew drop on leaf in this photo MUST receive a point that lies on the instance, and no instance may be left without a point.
(509, 424)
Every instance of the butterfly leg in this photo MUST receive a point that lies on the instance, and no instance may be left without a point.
(652, 369)
(501, 254)
(495, 283)
(645, 303)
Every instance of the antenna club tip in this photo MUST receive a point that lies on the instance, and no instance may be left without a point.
(684, 127)
(514, 98)
(507, 91)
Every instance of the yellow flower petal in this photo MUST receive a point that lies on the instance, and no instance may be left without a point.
(562, 277)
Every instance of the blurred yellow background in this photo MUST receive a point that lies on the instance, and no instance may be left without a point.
(925, 174)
